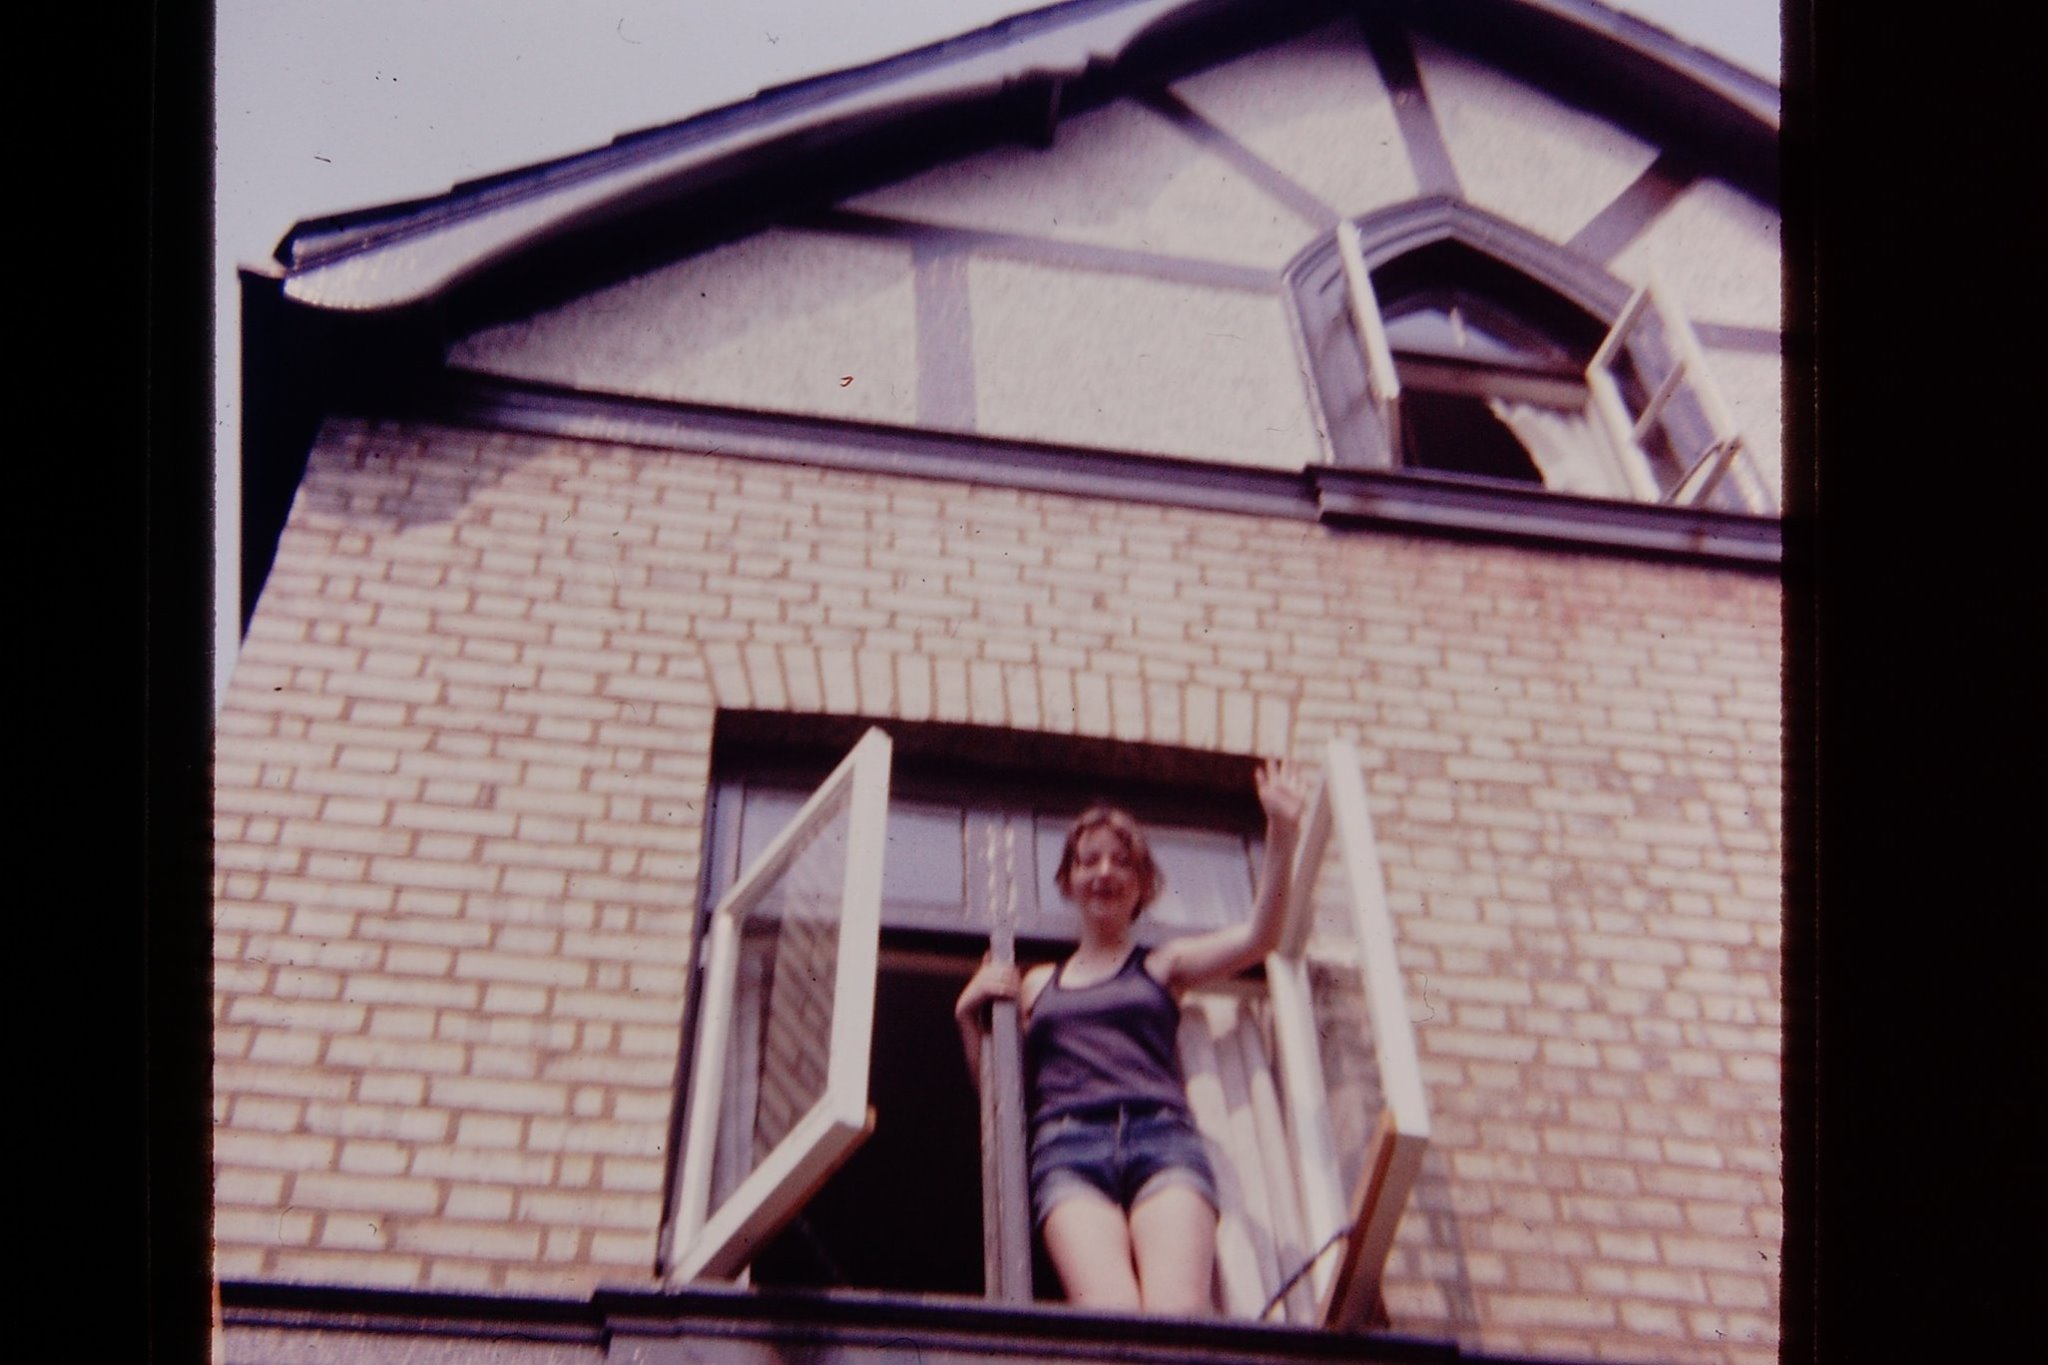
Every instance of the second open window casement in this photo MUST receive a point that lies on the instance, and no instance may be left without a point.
(1307, 1085)
(1649, 424)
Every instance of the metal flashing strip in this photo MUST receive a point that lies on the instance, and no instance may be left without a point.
(827, 443)
(370, 263)
(1337, 496)
(1486, 510)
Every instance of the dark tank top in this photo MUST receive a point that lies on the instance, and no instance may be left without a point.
(1110, 1043)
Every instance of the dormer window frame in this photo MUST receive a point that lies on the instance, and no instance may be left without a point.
(1669, 441)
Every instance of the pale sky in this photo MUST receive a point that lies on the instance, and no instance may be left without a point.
(324, 106)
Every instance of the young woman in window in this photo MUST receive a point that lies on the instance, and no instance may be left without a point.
(1121, 1189)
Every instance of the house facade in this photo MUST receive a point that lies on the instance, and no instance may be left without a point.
(1093, 404)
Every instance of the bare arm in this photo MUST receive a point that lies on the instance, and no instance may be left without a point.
(993, 981)
(1223, 953)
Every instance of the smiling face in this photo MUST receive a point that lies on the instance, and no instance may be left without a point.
(1106, 869)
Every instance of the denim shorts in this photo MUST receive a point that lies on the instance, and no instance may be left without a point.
(1123, 1152)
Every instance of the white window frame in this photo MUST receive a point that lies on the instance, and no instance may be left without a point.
(1347, 1290)
(1383, 385)
(719, 1243)
(1606, 410)
(1689, 372)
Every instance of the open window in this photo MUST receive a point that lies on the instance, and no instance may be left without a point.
(779, 1092)
(972, 846)
(1346, 1049)
(1682, 437)
(1445, 361)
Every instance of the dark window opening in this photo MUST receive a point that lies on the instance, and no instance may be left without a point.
(904, 1213)
(1447, 299)
(1458, 434)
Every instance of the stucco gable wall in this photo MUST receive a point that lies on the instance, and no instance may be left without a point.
(1719, 250)
(805, 322)
(1522, 154)
(1156, 366)
(1122, 288)
(1119, 176)
(1316, 109)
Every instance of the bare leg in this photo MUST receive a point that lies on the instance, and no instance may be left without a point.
(1173, 1237)
(1090, 1246)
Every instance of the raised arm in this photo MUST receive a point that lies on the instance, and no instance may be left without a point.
(1222, 953)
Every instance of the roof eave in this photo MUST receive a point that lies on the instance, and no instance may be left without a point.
(412, 253)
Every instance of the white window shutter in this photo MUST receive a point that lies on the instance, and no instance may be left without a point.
(781, 1063)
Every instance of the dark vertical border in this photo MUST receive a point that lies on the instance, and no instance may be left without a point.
(177, 644)
(1928, 937)
(1799, 1052)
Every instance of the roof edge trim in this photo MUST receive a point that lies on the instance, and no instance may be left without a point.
(411, 253)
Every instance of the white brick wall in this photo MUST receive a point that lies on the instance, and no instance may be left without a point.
(460, 810)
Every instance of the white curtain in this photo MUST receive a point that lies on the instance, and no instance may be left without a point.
(1569, 450)
(1237, 1107)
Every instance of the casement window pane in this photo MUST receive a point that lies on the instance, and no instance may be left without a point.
(779, 1082)
(1350, 1068)
(1343, 1025)
(1653, 390)
(782, 1017)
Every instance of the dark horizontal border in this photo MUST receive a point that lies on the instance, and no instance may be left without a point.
(1336, 495)
(967, 1326)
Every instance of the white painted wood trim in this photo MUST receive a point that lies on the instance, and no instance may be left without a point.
(1393, 1161)
(1242, 1141)
(1610, 412)
(1237, 1273)
(1308, 1110)
(1386, 996)
(1297, 915)
(707, 1080)
(1276, 1167)
(1402, 1133)
(1693, 361)
(719, 1242)
(1365, 315)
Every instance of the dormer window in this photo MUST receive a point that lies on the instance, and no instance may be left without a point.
(1445, 362)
